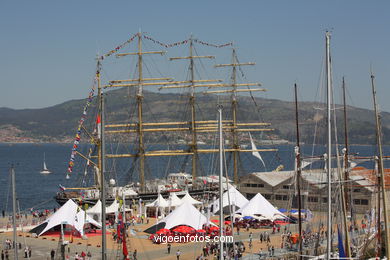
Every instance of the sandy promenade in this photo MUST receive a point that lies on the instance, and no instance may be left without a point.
(138, 240)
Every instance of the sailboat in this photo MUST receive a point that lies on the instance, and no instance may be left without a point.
(45, 170)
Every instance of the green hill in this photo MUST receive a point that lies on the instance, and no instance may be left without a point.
(58, 123)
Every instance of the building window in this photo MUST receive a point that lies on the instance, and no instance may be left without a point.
(324, 200)
(356, 190)
(254, 185)
(285, 197)
(286, 187)
(312, 199)
(360, 202)
(267, 196)
(278, 197)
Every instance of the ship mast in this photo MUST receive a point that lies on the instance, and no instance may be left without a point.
(192, 86)
(381, 167)
(139, 82)
(234, 86)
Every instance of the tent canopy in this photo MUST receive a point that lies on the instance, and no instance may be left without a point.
(96, 209)
(68, 214)
(174, 200)
(258, 205)
(186, 214)
(190, 199)
(159, 202)
(236, 199)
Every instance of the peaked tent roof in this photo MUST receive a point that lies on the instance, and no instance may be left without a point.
(258, 205)
(68, 214)
(113, 207)
(174, 200)
(159, 202)
(96, 209)
(190, 199)
(186, 214)
(236, 199)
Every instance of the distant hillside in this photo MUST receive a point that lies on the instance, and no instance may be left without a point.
(58, 123)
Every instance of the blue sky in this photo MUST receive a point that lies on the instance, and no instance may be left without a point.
(47, 48)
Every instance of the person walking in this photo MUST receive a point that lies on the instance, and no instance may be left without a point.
(178, 253)
(169, 248)
(135, 254)
(2, 255)
(52, 254)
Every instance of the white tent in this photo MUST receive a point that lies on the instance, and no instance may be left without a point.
(113, 208)
(259, 206)
(68, 214)
(188, 198)
(185, 214)
(236, 199)
(96, 211)
(159, 202)
(174, 200)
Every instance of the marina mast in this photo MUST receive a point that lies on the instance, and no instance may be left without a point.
(299, 172)
(329, 161)
(14, 213)
(381, 168)
(345, 200)
(101, 161)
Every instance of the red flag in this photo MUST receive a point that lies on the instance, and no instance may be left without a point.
(98, 125)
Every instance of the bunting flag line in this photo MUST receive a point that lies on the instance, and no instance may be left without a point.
(213, 45)
(81, 122)
(118, 47)
(165, 45)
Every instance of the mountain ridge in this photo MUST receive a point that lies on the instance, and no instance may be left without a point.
(58, 123)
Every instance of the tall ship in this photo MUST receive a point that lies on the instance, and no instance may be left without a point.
(126, 140)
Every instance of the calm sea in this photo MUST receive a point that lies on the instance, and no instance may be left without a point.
(37, 190)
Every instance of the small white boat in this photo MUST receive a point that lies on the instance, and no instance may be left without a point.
(45, 170)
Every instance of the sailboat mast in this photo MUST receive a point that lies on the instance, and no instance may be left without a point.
(102, 165)
(381, 167)
(346, 201)
(299, 172)
(221, 220)
(14, 212)
(329, 161)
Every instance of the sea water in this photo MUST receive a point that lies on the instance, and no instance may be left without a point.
(35, 190)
